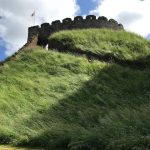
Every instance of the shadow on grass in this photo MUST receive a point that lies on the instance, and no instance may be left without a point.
(68, 46)
(109, 112)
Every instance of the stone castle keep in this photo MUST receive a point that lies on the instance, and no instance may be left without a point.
(39, 35)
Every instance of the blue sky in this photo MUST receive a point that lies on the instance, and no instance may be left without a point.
(86, 6)
(15, 19)
(2, 49)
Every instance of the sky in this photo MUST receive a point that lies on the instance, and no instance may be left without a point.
(15, 17)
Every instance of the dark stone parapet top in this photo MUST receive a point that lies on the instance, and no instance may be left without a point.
(42, 33)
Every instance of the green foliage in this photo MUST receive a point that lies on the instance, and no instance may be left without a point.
(120, 44)
(6, 136)
(60, 101)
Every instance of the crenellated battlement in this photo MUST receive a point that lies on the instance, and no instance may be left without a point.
(39, 35)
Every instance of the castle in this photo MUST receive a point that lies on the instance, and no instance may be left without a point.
(39, 35)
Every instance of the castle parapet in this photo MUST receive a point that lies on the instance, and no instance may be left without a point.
(90, 18)
(33, 32)
(42, 33)
(78, 19)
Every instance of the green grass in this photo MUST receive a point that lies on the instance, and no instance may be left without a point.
(119, 44)
(5, 147)
(58, 101)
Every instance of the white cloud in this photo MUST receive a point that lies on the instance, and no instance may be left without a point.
(133, 14)
(16, 18)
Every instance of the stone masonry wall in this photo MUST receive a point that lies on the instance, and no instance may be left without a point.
(40, 34)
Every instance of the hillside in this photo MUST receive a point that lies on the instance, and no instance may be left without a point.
(60, 101)
(121, 47)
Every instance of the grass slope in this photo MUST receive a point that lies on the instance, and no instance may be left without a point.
(59, 101)
(4, 147)
(118, 44)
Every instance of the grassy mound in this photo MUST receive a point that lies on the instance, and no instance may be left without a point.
(60, 101)
(120, 45)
